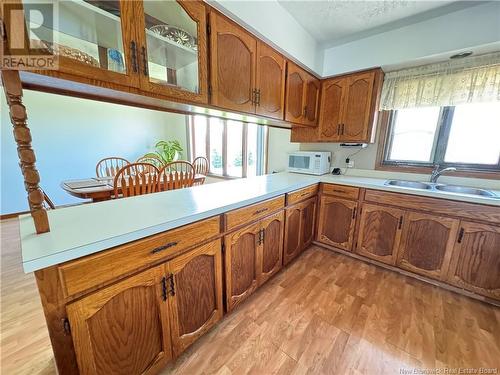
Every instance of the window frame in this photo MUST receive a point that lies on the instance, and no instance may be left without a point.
(387, 121)
(244, 141)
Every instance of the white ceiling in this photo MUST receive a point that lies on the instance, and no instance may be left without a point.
(339, 21)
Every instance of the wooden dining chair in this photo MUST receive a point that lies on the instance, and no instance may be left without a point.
(176, 175)
(202, 167)
(136, 179)
(109, 167)
(156, 161)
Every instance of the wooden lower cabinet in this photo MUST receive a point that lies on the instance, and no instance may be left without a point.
(308, 222)
(426, 244)
(195, 299)
(124, 328)
(379, 232)
(271, 254)
(299, 228)
(137, 325)
(241, 264)
(336, 222)
(253, 254)
(475, 263)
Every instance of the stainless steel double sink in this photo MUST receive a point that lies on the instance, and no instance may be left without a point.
(441, 187)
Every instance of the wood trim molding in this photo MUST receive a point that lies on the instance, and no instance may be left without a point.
(19, 119)
(383, 125)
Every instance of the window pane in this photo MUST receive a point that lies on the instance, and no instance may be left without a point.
(467, 142)
(414, 130)
(216, 130)
(234, 148)
(252, 150)
(200, 136)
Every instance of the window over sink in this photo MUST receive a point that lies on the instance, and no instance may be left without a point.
(233, 148)
(464, 136)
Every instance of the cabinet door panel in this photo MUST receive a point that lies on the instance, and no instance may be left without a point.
(379, 232)
(292, 233)
(123, 328)
(241, 264)
(336, 223)
(357, 106)
(232, 65)
(196, 304)
(272, 246)
(331, 109)
(312, 101)
(426, 244)
(295, 90)
(308, 219)
(270, 82)
(94, 40)
(475, 262)
(177, 69)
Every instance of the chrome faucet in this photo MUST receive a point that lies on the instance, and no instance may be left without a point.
(437, 172)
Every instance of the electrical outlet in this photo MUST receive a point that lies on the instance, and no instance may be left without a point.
(350, 163)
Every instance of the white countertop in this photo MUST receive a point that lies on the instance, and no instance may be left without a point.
(86, 229)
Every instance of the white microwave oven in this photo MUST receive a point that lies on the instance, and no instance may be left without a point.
(309, 162)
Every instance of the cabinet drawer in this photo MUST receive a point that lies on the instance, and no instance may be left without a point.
(348, 192)
(82, 274)
(256, 211)
(301, 194)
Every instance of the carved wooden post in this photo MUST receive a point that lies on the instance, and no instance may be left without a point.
(18, 117)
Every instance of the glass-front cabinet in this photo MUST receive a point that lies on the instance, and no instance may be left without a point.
(91, 38)
(159, 46)
(173, 49)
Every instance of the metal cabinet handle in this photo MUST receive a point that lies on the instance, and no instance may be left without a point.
(400, 225)
(163, 247)
(338, 129)
(164, 288)
(144, 61)
(172, 284)
(133, 55)
(460, 235)
(342, 129)
(354, 213)
(260, 211)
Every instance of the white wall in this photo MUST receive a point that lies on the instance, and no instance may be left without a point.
(278, 147)
(270, 21)
(430, 40)
(71, 135)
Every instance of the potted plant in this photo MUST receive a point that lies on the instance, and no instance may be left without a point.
(166, 151)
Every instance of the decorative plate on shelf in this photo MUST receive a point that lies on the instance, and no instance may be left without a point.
(176, 35)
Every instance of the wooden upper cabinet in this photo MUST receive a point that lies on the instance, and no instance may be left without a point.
(195, 298)
(426, 244)
(270, 84)
(380, 232)
(475, 261)
(232, 61)
(295, 87)
(312, 95)
(336, 222)
(175, 68)
(357, 107)
(124, 328)
(95, 40)
(331, 108)
(349, 108)
(241, 264)
(271, 253)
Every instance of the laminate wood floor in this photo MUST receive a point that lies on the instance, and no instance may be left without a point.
(325, 314)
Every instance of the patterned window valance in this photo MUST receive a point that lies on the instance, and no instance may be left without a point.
(470, 80)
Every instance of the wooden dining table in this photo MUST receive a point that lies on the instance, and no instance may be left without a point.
(99, 188)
